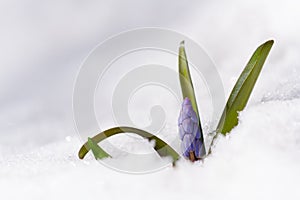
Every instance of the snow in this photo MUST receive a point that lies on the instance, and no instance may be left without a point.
(259, 160)
(42, 47)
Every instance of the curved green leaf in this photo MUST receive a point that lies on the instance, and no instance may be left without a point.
(187, 87)
(98, 152)
(243, 88)
(161, 147)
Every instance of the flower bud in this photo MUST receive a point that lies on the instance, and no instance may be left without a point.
(189, 132)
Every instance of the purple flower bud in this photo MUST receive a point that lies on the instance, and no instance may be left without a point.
(181, 132)
(188, 126)
(187, 145)
(199, 148)
(189, 131)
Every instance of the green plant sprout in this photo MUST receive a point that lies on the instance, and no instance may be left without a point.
(241, 91)
(193, 146)
(161, 147)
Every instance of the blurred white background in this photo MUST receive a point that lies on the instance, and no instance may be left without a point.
(43, 43)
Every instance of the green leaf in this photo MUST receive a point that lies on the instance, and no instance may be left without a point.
(187, 87)
(98, 152)
(161, 147)
(186, 83)
(243, 88)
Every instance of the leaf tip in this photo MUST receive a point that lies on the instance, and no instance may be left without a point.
(182, 43)
(80, 155)
(269, 43)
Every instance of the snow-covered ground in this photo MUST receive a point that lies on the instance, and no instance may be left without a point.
(42, 47)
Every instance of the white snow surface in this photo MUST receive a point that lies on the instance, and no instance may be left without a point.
(42, 47)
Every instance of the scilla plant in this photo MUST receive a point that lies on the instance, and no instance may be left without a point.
(189, 125)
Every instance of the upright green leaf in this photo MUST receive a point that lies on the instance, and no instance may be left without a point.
(187, 87)
(186, 83)
(161, 147)
(98, 152)
(243, 88)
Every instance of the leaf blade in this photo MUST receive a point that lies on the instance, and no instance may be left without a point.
(242, 90)
(187, 87)
(98, 152)
(161, 147)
